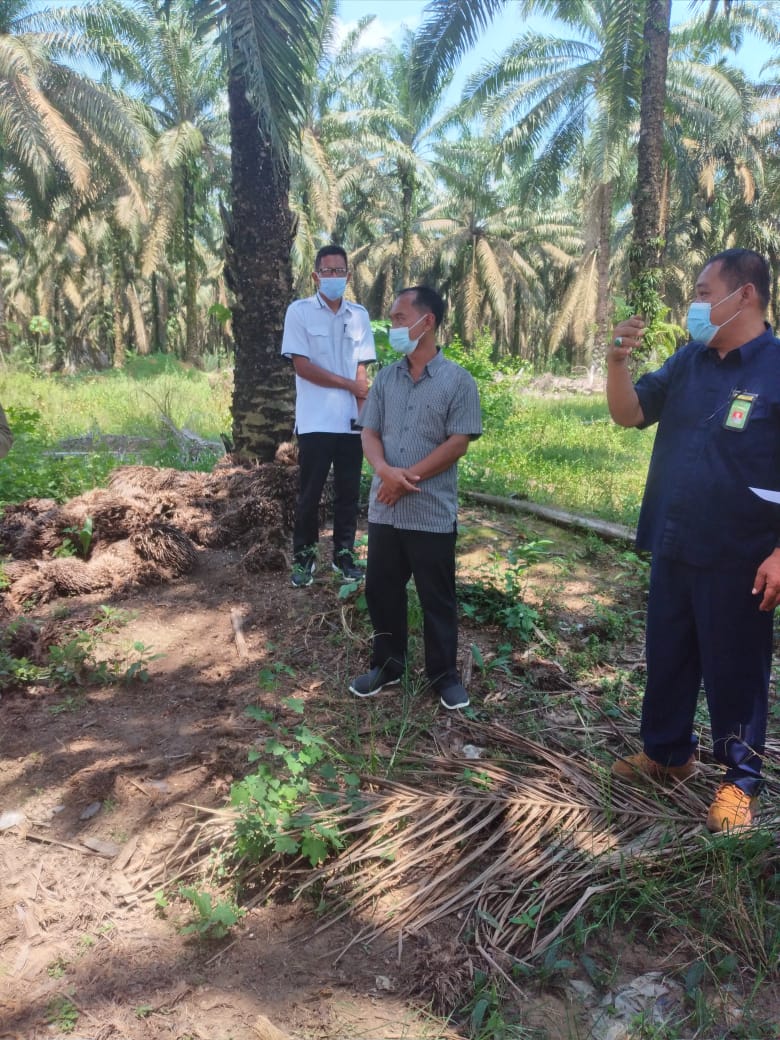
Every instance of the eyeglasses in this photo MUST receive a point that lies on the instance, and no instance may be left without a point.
(332, 272)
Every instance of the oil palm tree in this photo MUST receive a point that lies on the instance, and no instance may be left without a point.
(719, 137)
(325, 159)
(408, 123)
(549, 95)
(63, 135)
(723, 25)
(481, 270)
(272, 55)
(557, 99)
(56, 122)
(182, 82)
(647, 246)
(379, 138)
(79, 271)
(721, 188)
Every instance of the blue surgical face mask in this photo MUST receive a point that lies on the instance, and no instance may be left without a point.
(400, 339)
(332, 288)
(698, 321)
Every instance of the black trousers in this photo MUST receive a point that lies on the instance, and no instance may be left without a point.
(705, 625)
(395, 555)
(317, 452)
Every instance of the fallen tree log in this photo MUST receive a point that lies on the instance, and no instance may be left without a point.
(603, 528)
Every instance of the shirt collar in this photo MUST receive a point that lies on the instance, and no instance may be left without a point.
(747, 351)
(431, 367)
(321, 303)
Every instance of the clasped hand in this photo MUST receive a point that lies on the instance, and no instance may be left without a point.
(396, 482)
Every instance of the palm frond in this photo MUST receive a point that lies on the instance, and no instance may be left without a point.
(273, 49)
(60, 137)
(513, 848)
(449, 29)
(492, 278)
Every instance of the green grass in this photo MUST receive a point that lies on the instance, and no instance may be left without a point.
(563, 451)
(43, 410)
(126, 402)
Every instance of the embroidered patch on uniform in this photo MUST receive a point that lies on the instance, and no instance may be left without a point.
(739, 411)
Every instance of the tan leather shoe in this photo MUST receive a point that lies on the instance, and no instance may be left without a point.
(731, 809)
(639, 768)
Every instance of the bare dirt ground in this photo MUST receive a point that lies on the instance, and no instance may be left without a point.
(104, 778)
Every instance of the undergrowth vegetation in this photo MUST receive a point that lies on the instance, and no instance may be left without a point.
(138, 404)
(562, 450)
(707, 907)
(567, 678)
(125, 401)
(72, 661)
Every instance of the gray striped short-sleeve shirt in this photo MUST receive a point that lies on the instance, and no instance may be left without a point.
(413, 419)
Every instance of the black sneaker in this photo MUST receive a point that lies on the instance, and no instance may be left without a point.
(454, 696)
(344, 564)
(303, 573)
(372, 682)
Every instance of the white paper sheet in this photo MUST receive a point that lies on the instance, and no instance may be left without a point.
(768, 496)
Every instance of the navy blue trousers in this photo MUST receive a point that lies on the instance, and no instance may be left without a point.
(395, 555)
(705, 625)
(317, 452)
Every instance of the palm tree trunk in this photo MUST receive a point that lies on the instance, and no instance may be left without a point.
(157, 338)
(647, 246)
(259, 272)
(190, 279)
(407, 214)
(666, 203)
(116, 308)
(4, 337)
(604, 211)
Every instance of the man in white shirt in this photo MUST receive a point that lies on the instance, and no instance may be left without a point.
(329, 341)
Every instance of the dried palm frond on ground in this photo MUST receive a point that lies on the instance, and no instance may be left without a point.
(145, 528)
(512, 849)
(504, 855)
(265, 556)
(287, 454)
(30, 639)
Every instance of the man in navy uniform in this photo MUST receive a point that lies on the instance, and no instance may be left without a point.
(715, 576)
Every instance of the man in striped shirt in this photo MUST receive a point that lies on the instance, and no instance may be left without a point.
(420, 415)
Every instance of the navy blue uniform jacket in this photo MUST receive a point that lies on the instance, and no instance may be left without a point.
(697, 507)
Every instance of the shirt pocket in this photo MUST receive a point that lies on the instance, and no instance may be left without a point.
(753, 451)
(353, 339)
(320, 345)
(763, 430)
(431, 415)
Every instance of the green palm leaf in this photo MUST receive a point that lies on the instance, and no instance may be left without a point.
(450, 27)
(273, 48)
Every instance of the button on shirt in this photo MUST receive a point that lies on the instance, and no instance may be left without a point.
(337, 342)
(413, 419)
(697, 506)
